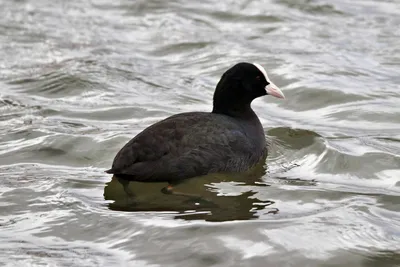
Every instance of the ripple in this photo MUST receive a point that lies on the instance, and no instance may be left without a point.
(313, 8)
(347, 231)
(79, 79)
(65, 81)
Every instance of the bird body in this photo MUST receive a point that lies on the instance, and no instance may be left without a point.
(228, 139)
(188, 145)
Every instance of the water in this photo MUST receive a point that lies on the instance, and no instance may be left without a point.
(78, 79)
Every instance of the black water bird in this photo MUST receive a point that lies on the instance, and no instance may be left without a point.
(228, 139)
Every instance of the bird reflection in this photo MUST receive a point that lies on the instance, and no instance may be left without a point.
(213, 205)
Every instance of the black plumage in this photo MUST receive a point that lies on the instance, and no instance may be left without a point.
(229, 139)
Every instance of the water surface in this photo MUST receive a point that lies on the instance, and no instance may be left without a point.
(78, 79)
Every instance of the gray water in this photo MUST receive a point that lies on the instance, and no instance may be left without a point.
(78, 79)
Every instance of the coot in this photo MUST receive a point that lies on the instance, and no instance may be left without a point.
(228, 139)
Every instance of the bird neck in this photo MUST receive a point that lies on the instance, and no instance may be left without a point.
(230, 98)
(233, 106)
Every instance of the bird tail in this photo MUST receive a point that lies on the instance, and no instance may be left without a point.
(110, 171)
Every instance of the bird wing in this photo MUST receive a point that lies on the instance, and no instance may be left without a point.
(181, 146)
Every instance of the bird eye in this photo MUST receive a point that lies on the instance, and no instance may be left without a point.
(258, 78)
